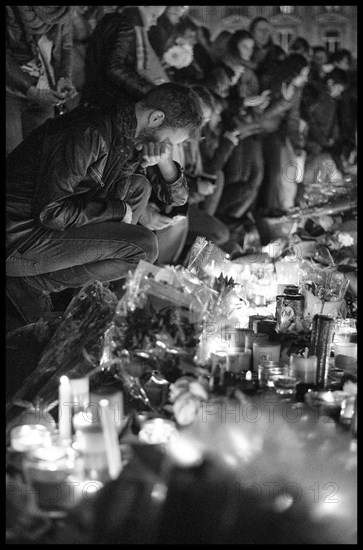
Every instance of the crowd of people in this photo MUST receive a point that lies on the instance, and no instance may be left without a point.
(129, 132)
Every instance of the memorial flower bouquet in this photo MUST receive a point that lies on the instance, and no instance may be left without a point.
(178, 56)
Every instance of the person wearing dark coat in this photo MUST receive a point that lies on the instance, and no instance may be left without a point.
(119, 54)
(78, 185)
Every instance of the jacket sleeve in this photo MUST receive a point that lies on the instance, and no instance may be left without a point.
(59, 202)
(173, 194)
(220, 156)
(15, 77)
(119, 70)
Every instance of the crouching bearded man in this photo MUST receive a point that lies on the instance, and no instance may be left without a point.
(78, 185)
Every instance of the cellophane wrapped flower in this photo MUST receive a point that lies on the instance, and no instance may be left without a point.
(178, 56)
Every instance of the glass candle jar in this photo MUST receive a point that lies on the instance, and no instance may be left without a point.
(268, 369)
(265, 352)
(47, 471)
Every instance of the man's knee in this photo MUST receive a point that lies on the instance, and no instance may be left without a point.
(149, 243)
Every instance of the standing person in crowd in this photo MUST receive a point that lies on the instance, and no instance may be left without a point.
(77, 188)
(178, 60)
(83, 24)
(265, 48)
(320, 110)
(301, 46)
(283, 142)
(319, 66)
(120, 59)
(244, 169)
(162, 34)
(38, 67)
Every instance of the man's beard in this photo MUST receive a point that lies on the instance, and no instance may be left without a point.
(146, 135)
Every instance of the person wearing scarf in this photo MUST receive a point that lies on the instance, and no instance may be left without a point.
(38, 67)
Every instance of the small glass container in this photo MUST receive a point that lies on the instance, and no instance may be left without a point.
(285, 384)
(49, 471)
(268, 369)
(90, 442)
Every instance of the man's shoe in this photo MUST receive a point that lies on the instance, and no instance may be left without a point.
(29, 302)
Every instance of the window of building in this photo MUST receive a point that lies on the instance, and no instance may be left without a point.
(287, 10)
(332, 40)
(333, 9)
(284, 37)
(236, 10)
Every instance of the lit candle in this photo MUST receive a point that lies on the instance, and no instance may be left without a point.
(29, 436)
(111, 440)
(64, 411)
(304, 368)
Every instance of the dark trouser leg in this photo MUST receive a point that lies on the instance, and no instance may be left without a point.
(204, 225)
(239, 196)
(14, 126)
(211, 202)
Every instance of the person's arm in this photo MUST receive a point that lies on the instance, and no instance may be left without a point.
(118, 68)
(174, 192)
(293, 123)
(15, 77)
(66, 162)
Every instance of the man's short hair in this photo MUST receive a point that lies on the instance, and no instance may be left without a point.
(179, 103)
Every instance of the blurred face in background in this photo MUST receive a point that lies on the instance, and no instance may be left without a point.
(320, 57)
(245, 48)
(151, 14)
(175, 13)
(216, 115)
(344, 64)
(262, 33)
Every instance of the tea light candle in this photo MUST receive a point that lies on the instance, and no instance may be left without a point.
(29, 436)
(265, 352)
(157, 431)
(304, 368)
(64, 411)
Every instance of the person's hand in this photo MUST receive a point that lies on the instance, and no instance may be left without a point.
(152, 153)
(287, 91)
(65, 86)
(152, 219)
(205, 187)
(128, 215)
(261, 100)
(46, 96)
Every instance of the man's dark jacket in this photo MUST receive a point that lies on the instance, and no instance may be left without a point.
(74, 170)
(111, 60)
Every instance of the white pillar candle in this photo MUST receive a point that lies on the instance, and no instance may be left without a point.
(64, 411)
(304, 368)
(111, 440)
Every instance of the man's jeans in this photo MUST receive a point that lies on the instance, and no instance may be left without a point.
(76, 256)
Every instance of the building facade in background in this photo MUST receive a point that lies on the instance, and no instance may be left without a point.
(332, 26)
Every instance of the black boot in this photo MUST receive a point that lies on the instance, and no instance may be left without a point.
(30, 303)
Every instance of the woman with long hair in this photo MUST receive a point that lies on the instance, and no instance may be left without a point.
(283, 142)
